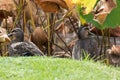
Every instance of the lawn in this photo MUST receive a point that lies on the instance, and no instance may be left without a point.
(39, 68)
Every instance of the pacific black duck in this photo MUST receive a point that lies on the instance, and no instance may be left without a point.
(86, 45)
(19, 47)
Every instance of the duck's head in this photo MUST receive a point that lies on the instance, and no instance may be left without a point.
(17, 33)
(84, 32)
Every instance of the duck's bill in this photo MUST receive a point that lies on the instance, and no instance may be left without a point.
(10, 34)
(4, 38)
(7, 38)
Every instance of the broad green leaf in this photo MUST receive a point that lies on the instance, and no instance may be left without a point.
(86, 4)
(112, 19)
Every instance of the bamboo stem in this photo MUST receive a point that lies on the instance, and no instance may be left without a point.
(32, 21)
(19, 9)
(48, 23)
(24, 19)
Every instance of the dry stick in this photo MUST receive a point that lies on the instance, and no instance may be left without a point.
(102, 43)
(105, 41)
(20, 7)
(1, 54)
(52, 25)
(60, 47)
(6, 25)
(5, 49)
(48, 23)
(115, 40)
(24, 19)
(17, 17)
(15, 2)
(64, 42)
(42, 22)
(109, 37)
(56, 44)
(52, 20)
(24, 22)
(33, 23)
(64, 16)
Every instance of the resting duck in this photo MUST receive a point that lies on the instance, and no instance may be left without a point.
(86, 44)
(19, 47)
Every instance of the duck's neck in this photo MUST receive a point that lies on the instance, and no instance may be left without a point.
(19, 39)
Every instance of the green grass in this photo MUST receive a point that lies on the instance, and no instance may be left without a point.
(39, 68)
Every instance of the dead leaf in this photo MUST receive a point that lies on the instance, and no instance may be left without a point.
(61, 55)
(9, 22)
(7, 5)
(100, 18)
(115, 49)
(51, 5)
(102, 9)
(70, 3)
(33, 8)
(3, 36)
(113, 32)
(63, 29)
(39, 38)
(72, 43)
(6, 8)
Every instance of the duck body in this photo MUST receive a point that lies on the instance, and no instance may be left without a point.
(85, 46)
(19, 47)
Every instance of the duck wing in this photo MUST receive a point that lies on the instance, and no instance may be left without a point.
(23, 48)
(33, 48)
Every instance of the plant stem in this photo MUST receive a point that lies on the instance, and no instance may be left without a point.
(64, 43)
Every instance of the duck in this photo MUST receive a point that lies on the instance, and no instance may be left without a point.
(86, 45)
(19, 47)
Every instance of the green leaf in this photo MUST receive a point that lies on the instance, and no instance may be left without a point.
(112, 19)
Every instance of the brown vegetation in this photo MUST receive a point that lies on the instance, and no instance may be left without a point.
(113, 55)
(39, 37)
